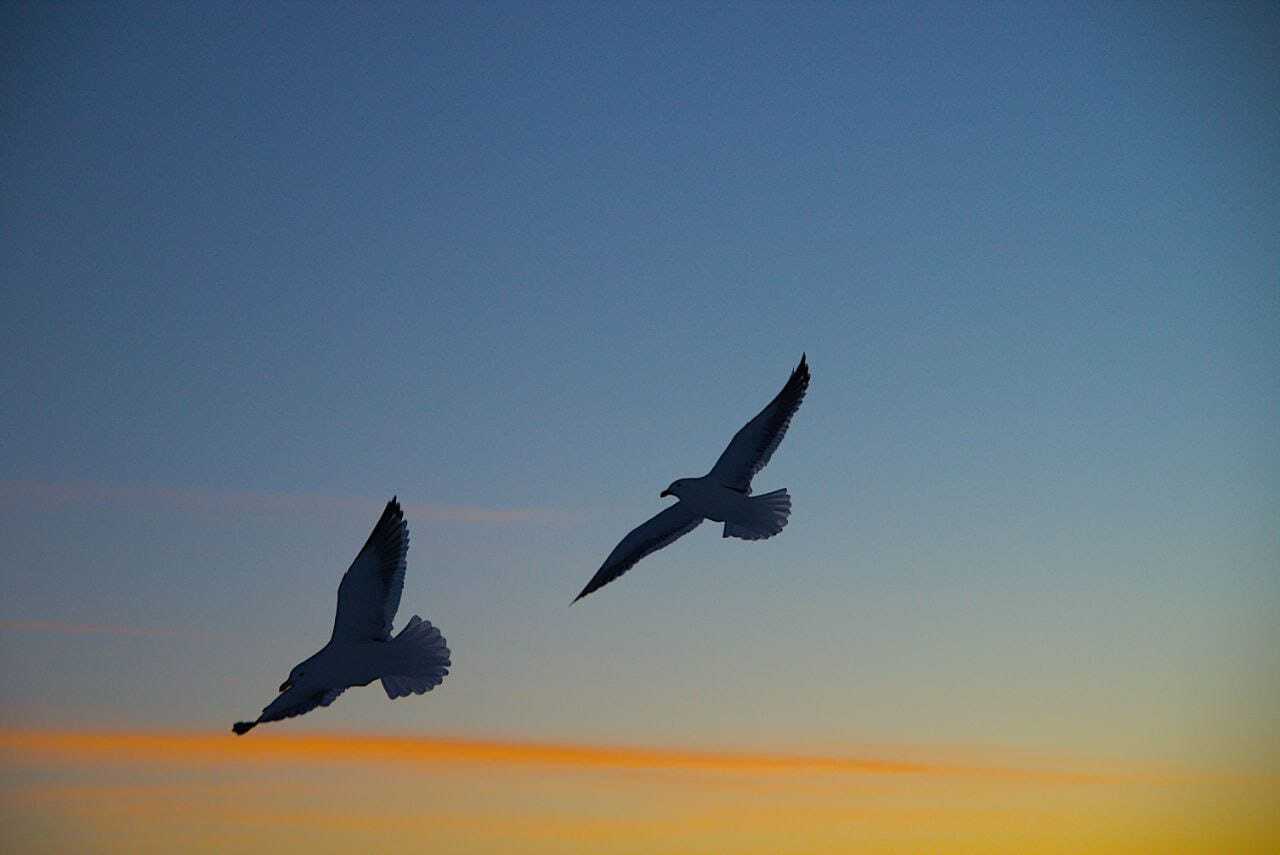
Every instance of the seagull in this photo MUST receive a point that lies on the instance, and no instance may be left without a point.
(723, 494)
(361, 649)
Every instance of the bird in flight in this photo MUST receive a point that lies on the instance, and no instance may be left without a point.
(723, 494)
(361, 649)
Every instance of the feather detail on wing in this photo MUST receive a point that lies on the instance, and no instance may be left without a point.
(293, 703)
(650, 536)
(369, 594)
(753, 445)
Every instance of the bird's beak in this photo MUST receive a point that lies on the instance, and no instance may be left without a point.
(286, 686)
(664, 494)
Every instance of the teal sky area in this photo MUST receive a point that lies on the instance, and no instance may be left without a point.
(265, 265)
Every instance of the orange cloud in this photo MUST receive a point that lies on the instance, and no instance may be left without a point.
(159, 747)
(278, 792)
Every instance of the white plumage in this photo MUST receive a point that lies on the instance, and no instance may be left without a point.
(723, 494)
(361, 648)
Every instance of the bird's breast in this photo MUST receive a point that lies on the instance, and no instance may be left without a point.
(715, 502)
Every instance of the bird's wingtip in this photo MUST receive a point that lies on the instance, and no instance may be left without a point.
(240, 728)
(802, 370)
(393, 511)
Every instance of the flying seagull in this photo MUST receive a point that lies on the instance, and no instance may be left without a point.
(362, 649)
(723, 494)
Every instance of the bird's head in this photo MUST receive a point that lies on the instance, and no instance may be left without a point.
(675, 489)
(299, 671)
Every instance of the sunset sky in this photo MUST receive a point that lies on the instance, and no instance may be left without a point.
(266, 265)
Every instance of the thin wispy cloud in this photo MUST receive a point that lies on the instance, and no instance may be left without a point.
(70, 628)
(196, 500)
(329, 792)
(188, 747)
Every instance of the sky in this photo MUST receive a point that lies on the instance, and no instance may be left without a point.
(266, 265)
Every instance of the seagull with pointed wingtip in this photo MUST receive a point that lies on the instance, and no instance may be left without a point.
(723, 494)
(361, 649)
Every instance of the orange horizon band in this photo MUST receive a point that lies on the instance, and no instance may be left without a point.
(186, 746)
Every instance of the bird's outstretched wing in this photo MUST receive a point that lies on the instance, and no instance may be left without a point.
(288, 704)
(369, 594)
(650, 536)
(753, 445)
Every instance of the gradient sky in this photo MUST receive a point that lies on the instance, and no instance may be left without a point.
(265, 265)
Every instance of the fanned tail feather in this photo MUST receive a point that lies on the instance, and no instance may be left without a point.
(769, 515)
(426, 660)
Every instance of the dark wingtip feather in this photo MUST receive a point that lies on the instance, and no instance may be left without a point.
(803, 371)
(797, 384)
(240, 728)
(391, 519)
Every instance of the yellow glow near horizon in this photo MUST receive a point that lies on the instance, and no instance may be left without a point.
(158, 791)
(193, 747)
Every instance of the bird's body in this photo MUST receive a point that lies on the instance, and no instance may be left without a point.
(710, 499)
(357, 664)
(362, 649)
(745, 516)
(723, 494)
(750, 517)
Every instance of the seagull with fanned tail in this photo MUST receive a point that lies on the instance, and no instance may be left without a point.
(723, 494)
(362, 649)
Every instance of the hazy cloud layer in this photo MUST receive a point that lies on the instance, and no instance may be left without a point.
(56, 494)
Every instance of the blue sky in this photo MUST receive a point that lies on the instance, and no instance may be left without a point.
(265, 267)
